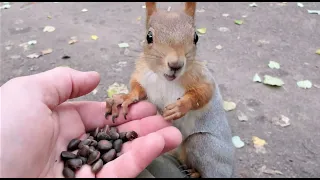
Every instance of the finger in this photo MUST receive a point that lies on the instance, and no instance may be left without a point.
(85, 172)
(169, 112)
(171, 117)
(92, 113)
(171, 135)
(130, 164)
(62, 83)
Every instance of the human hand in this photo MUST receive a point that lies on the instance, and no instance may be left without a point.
(37, 124)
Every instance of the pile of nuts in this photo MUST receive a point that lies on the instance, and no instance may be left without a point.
(100, 147)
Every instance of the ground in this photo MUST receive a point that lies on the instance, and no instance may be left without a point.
(281, 32)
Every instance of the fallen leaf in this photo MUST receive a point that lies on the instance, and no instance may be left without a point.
(262, 41)
(94, 37)
(225, 15)
(169, 8)
(15, 57)
(94, 92)
(34, 55)
(318, 51)
(282, 121)
(306, 84)
(274, 65)
(139, 18)
(256, 78)
(300, 4)
(314, 12)
(33, 42)
(242, 116)
(123, 45)
(237, 142)
(244, 16)
(117, 88)
(260, 149)
(219, 47)
(84, 10)
(202, 30)
(49, 17)
(258, 142)
(6, 5)
(229, 106)
(273, 81)
(143, 7)
(253, 5)
(264, 169)
(65, 57)
(200, 10)
(72, 41)
(49, 29)
(46, 51)
(239, 22)
(223, 29)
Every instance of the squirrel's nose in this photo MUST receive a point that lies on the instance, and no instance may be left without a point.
(175, 66)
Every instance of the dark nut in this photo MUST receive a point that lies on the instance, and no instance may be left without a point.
(117, 145)
(84, 142)
(91, 149)
(122, 136)
(95, 155)
(84, 151)
(113, 129)
(109, 156)
(131, 135)
(103, 136)
(84, 160)
(65, 155)
(94, 143)
(97, 166)
(114, 135)
(73, 144)
(95, 132)
(104, 145)
(68, 173)
(74, 164)
(91, 138)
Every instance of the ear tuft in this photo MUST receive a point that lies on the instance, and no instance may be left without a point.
(190, 8)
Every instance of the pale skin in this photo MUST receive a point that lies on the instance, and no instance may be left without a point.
(37, 123)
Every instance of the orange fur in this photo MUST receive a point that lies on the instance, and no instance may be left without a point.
(190, 8)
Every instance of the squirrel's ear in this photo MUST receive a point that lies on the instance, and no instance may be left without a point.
(190, 8)
(150, 9)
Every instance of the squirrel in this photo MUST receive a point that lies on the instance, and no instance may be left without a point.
(169, 75)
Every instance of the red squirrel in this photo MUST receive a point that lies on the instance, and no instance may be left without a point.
(169, 75)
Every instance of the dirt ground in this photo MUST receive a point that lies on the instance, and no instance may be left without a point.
(281, 32)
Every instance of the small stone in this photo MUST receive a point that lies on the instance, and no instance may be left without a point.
(73, 144)
(68, 173)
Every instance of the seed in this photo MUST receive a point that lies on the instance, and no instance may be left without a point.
(84, 142)
(122, 136)
(73, 144)
(103, 136)
(113, 129)
(95, 132)
(114, 135)
(119, 154)
(94, 143)
(104, 145)
(95, 155)
(91, 138)
(65, 155)
(68, 173)
(84, 151)
(109, 156)
(74, 164)
(84, 160)
(117, 145)
(97, 166)
(91, 149)
(131, 135)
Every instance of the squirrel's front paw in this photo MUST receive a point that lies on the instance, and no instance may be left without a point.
(118, 99)
(176, 110)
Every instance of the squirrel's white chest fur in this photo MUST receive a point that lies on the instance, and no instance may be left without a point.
(160, 92)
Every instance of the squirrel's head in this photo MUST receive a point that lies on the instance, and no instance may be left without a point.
(170, 40)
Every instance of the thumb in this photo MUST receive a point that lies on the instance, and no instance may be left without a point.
(63, 83)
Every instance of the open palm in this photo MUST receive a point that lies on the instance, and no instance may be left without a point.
(37, 124)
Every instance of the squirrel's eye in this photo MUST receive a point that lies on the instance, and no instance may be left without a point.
(196, 38)
(150, 37)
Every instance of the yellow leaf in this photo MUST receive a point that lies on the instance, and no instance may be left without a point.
(139, 18)
(94, 37)
(318, 51)
(202, 30)
(258, 142)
